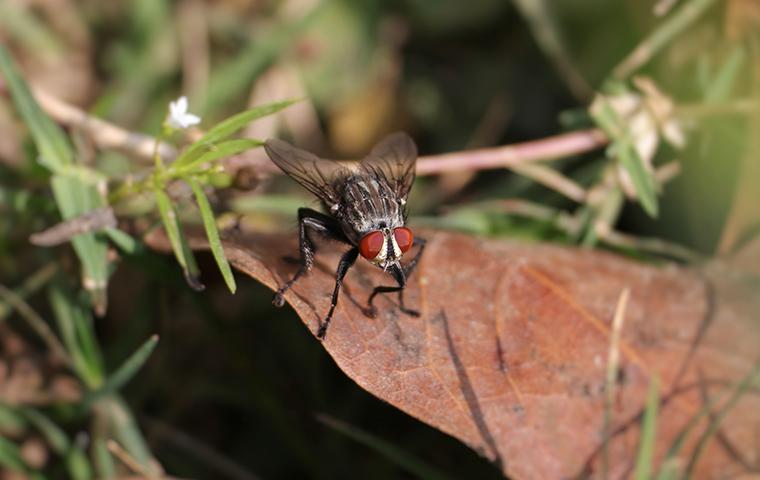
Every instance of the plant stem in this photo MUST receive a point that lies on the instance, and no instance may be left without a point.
(661, 37)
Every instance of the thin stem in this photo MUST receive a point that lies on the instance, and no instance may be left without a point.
(661, 37)
(37, 323)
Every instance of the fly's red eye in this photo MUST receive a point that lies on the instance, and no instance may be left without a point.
(371, 244)
(404, 238)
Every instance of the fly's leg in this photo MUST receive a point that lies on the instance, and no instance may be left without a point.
(313, 220)
(346, 261)
(401, 275)
(398, 274)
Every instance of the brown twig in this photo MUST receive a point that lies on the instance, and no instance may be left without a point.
(553, 179)
(106, 135)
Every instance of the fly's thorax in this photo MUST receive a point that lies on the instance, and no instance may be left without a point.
(368, 204)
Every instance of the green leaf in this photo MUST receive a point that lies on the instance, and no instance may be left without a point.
(228, 127)
(177, 239)
(623, 149)
(209, 223)
(101, 457)
(387, 449)
(54, 148)
(10, 456)
(216, 152)
(53, 434)
(648, 436)
(720, 87)
(124, 373)
(75, 326)
(124, 241)
(75, 198)
(78, 464)
(127, 432)
(73, 194)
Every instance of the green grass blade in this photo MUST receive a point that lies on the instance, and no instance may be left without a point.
(101, 457)
(127, 432)
(388, 450)
(643, 180)
(648, 436)
(124, 373)
(209, 223)
(124, 241)
(75, 326)
(54, 148)
(215, 152)
(227, 127)
(78, 464)
(53, 434)
(10, 456)
(181, 249)
(73, 195)
(623, 149)
(720, 88)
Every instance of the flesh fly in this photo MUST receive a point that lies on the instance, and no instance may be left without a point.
(366, 209)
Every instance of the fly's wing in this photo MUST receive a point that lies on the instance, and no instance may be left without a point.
(393, 160)
(317, 175)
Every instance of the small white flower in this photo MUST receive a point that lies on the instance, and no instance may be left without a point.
(178, 117)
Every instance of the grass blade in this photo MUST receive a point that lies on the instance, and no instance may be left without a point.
(209, 223)
(181, 249)
(227, 127)
(388, 450)
(53, 434)
(73, 194)
(55, 150)
(75, 325)
(643, 181)
(648, 435)
(124, 373)
(624, 150)
(124, 241)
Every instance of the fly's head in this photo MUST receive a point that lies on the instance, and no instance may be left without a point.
(385, 247)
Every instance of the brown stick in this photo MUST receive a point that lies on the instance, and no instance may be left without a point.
(549, 148)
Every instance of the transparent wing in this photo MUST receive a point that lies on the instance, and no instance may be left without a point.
(393, 160)
(317, 175)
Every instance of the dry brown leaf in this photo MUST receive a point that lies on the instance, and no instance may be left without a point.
(510, 352)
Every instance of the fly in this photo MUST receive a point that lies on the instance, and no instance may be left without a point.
(366, 205)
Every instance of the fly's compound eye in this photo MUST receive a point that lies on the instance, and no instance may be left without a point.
(372, 244)
(404, 238)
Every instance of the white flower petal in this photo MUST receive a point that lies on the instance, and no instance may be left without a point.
(178, 117)
(191, 119)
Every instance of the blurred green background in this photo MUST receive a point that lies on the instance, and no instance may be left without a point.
(234, 387)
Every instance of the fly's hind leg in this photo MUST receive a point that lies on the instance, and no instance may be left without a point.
(309, 220)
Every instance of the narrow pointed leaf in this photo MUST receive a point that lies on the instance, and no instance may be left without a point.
(648, 433)
(182, 251)
(217, 151)
(215, 244)
(228, 127)
(125, 372)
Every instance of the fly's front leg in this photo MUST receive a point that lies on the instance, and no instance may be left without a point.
(398, 274)
(346, 261)
(401, 275)
(409, 267)
(309, 220)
